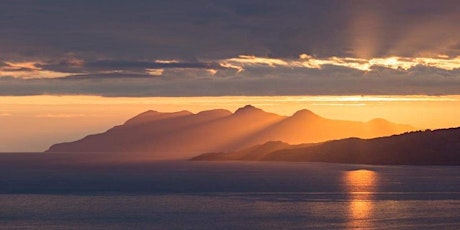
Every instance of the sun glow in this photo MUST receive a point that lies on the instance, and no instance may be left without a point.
(25, 116)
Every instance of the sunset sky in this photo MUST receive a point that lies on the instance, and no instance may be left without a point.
(70, 68)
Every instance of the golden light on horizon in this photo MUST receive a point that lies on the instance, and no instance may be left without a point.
(25, 116)
(435, 111)
(361, 186)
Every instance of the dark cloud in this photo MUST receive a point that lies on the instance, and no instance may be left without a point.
(187, 30)
(152, 65)
(80, 66)
(118, 42)
(332, 80)
(112, 75)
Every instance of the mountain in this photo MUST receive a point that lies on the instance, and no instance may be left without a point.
(253, 153)
(185, 134)
(438, 147)
(305, 126)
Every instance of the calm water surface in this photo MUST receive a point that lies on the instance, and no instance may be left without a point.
(228, 195)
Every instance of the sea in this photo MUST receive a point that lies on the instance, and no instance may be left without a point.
(183, 194)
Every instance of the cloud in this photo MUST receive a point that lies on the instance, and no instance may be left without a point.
(75, 68)
(259, 79)
(223, 29)
(234, 76)
(405, 63)
(27, 70)
(155, 72)
(307, 61)
(253, 60)
(116, 64)
(226, 47)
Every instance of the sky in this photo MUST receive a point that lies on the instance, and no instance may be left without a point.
(34, 123)
(239, 47)
(72, 68)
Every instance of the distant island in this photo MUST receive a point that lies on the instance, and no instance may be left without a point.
(184, 134)
(438, 147)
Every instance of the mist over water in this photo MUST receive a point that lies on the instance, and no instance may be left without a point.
(227, 195)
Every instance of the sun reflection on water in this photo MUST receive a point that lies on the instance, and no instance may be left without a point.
(361, 186)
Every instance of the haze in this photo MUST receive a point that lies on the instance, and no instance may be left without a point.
(33, 123)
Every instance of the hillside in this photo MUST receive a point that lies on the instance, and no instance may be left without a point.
(438, 147)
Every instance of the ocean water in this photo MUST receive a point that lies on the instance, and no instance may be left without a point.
(227, 195)
(222, 211)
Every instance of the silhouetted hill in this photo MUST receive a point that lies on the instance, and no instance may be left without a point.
(151, 115)
(184, 134)
(438, 147)
(254, 153)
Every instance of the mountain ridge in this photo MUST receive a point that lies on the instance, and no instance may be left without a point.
(153, 132)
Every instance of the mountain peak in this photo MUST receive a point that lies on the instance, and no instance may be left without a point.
(216, 112)
(143, 116)
(182, 112)
(247, 109)
(152, 115)
(149, 112)
(305, 113)
(378, 121)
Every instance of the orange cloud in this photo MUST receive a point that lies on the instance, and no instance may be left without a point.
(28, 70)
(155, 72)
(308, 61)
(166, 61)
(441, 62)
(239, 62)
(238, 68)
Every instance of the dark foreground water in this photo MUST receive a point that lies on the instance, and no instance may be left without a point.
(227, 195)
